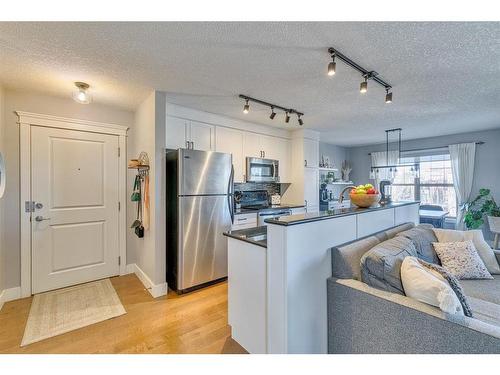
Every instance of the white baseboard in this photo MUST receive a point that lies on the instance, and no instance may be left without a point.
(156, 290)
(9, 295)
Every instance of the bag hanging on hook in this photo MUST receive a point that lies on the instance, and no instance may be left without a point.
(136, 195)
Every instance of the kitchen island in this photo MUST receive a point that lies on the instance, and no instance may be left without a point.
(277, 278)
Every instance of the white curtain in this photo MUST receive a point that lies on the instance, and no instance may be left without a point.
(462, 165)
(381, 159)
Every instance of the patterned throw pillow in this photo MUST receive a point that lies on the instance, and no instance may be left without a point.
(461, 259)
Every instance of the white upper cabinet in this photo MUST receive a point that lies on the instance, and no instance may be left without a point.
(202, 136)
(183, 133)
(176, 130)
(279, 149)
(231, 141)
(311, 153)
(252, 145)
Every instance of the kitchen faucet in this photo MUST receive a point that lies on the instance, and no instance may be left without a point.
(341, 196)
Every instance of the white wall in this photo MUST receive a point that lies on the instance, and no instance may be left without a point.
(149, 135)
(39, 103)
(2, 200)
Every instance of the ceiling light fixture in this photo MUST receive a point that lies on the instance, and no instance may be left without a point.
(332, 66)
(300, 121)
(287, 117)
(388, 96)
(273, 114)
(81, 95)
(367, 74)
(288, 111)
(246, 108)
(363, 88)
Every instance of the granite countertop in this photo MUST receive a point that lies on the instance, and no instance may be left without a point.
(255, 236)
(329, 214)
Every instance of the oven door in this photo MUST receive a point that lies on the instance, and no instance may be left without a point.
(262, 170)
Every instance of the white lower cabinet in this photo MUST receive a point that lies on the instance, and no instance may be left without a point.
(247, 295)
(374, 221)
(407, 214)
(244, 221)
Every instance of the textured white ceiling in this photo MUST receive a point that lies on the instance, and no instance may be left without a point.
(445, 75)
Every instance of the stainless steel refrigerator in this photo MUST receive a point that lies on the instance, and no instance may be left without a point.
(199, 209)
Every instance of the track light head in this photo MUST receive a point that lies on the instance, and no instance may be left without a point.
(300, 121)
(363, 88)
(246, 107)
(388, 97)
(273, 114)
(287, 117)
(332, 67)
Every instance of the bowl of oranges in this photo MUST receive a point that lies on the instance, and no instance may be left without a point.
(364, 196)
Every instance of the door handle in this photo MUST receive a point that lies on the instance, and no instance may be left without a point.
(41, 218)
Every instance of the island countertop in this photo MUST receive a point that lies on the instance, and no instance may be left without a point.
(255, 236)
(329, 214)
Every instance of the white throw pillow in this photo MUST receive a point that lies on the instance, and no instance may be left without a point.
(476, 236)
(428, 286)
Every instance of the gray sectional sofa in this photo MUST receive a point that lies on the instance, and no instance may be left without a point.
(364, 319)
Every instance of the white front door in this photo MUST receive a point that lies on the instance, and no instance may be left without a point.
(75, 186)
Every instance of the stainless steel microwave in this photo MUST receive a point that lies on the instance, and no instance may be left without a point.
(262, 170)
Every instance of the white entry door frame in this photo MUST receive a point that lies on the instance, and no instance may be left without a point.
(26, 122)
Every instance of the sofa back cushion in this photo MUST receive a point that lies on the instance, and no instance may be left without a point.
(381, 266)
(422, 237)
(346, 258)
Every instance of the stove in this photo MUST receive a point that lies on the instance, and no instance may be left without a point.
(258, 200)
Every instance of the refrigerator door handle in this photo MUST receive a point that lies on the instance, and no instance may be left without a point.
(230, 194)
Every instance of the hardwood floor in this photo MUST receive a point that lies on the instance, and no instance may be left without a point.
(192, 323)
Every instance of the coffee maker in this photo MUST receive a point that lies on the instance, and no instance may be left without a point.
(386, 191)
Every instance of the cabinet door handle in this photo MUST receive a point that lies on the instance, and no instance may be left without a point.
(192, 145)
(244, 219)
(263, 153)
(187, 144)
(305, 163)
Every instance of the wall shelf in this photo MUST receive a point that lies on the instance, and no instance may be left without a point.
(341, 183)
(328, 169)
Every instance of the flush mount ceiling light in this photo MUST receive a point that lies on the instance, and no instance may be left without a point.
(367, 74)
(81, 95)
(246, 107)
(288, 111)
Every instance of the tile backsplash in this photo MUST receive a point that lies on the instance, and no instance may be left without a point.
(272, 188)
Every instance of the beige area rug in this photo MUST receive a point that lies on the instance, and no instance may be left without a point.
(60, 311)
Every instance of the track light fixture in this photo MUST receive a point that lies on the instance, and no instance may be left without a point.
(273, 114)
(300, 121)
(388, 96)
(364, 86)
(288, 111)
(367, 74)
(332, 66)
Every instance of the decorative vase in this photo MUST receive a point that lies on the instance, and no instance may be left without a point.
(494, 223)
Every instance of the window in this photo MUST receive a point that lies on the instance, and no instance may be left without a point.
(433, 186)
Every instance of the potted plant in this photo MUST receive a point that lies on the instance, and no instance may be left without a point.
(482, 205)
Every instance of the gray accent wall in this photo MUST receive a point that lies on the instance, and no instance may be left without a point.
(487, 166)
(336, 154)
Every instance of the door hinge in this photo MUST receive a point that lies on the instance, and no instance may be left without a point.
(29, 206)
(118, 151)
(120, 261)
(119, 206)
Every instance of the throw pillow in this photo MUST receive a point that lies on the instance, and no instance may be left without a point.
(422, 237)
(476, 236)
(428, 286)
(381, 265)
(461, 260)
